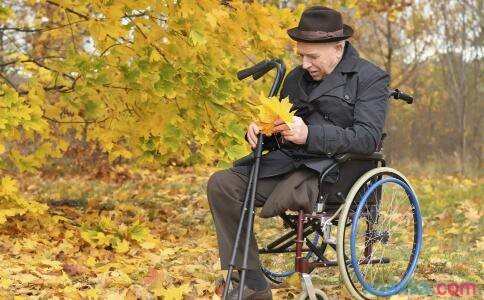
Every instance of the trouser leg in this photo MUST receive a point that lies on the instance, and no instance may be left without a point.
(226, 192)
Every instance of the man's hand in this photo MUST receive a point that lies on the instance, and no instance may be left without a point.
(252, 132)
(298, 134)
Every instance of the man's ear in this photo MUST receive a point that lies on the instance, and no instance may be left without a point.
(340, 45)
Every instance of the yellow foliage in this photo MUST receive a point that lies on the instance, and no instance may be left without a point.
(121, 246)
(271, 109)
(160, 77)
(172, 293)
(13, 204)
(183, 259)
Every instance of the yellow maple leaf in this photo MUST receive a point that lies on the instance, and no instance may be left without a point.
(5, 283)
(121, 246)
(91, 261)
(271, 109)
(172, 293)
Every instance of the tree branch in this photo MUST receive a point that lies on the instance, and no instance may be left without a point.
(68, 9)
(72, 32)
(10, 83)
(73, 122)
(26, 29)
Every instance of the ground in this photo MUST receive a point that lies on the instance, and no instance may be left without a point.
(139, 233)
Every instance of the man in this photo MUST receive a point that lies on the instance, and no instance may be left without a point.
(340, 101)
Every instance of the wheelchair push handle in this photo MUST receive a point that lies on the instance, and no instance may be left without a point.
(397, 94)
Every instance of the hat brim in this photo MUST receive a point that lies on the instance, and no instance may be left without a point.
(298, 35)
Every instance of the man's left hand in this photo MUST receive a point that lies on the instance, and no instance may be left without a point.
(298, 134)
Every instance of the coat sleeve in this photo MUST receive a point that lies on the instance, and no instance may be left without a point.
(369, 118)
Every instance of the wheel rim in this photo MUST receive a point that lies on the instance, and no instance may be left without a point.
(393, 238)
(355, 285)
(343, 240)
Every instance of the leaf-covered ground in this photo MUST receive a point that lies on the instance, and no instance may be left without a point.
(142, 234)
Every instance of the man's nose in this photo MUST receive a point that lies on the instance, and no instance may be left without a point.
(305, 63)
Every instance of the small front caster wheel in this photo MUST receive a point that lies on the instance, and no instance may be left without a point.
(320, 295)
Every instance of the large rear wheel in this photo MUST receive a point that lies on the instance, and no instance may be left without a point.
(379, 234)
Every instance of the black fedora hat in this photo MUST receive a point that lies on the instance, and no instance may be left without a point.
(320, 24)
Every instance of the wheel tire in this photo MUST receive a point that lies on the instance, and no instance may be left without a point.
(342, 227)
(319, 295)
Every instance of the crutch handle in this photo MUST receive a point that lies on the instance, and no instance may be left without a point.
(252, 70)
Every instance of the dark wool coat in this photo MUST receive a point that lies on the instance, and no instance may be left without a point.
(345, 113)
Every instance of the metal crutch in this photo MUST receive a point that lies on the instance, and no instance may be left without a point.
(256, 72)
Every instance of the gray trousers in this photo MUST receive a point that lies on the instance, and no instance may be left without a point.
(226, 192)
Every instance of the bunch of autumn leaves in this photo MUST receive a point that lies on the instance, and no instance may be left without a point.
(271, 109)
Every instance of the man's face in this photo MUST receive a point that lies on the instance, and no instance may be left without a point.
(319, 59)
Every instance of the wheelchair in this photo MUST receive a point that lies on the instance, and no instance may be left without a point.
(372, 232)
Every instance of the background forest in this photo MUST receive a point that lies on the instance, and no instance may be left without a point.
(114, 113)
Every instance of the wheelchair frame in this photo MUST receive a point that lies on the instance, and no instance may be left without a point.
(303, 265)
(304, 224)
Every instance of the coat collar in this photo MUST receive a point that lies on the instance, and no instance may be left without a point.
(337, 78)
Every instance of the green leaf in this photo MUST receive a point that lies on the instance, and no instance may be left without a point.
(197, 38)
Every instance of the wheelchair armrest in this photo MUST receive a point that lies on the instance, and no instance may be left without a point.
(344, 157)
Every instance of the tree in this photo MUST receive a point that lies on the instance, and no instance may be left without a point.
(460, 57)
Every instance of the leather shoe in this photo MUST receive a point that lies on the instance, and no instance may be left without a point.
(249, 294)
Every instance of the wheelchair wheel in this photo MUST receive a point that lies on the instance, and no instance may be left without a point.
(379, 234)
(320, 295)
(278, 265)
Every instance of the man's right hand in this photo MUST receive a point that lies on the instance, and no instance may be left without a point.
(252, 132)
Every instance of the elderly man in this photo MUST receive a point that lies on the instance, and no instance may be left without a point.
(340, 102)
